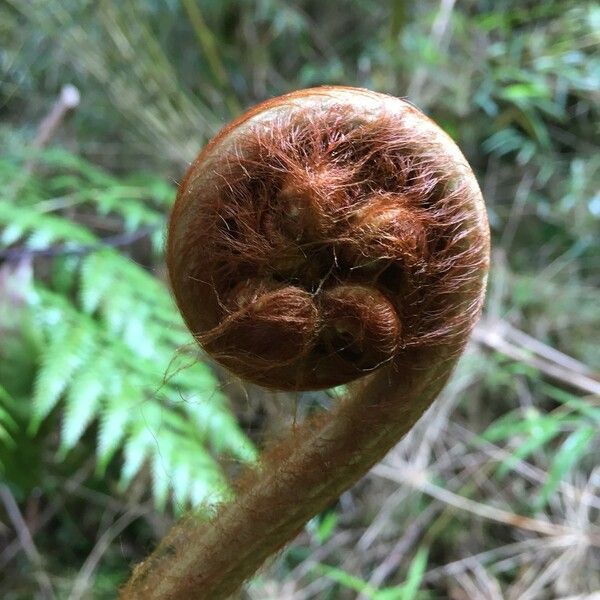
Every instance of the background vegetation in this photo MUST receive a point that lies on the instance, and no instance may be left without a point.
(112, 423)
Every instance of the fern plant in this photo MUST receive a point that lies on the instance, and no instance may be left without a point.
(109, 348)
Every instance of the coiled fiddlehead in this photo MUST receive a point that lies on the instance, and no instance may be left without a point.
(328, 236)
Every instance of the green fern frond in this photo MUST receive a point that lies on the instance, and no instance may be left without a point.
(39, 230)
(116, 414)
(136, 451)
(149, 412)
(67, 161)
(112, 346)
(82, 402)
(8, 425)
(181, 481)
(95, 282)
(68, 349)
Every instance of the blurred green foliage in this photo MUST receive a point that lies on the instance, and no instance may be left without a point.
(97, 369)
(96, 325)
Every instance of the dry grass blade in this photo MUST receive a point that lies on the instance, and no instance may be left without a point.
(26, 541)
(526, 349)
(405, 474)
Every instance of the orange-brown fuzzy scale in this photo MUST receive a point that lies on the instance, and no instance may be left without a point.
(325, 236)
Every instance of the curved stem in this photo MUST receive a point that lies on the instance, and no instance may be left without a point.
(211, 561)
(301, 475)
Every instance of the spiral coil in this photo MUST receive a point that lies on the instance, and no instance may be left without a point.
(311, 245)
(325, 236)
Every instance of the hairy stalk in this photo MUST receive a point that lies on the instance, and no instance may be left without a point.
(329, 236)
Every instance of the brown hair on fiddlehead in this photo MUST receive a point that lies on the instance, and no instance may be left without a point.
(327, 244)
(329, 236)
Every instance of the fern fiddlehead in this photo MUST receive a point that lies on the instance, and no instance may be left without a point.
(329, 236)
